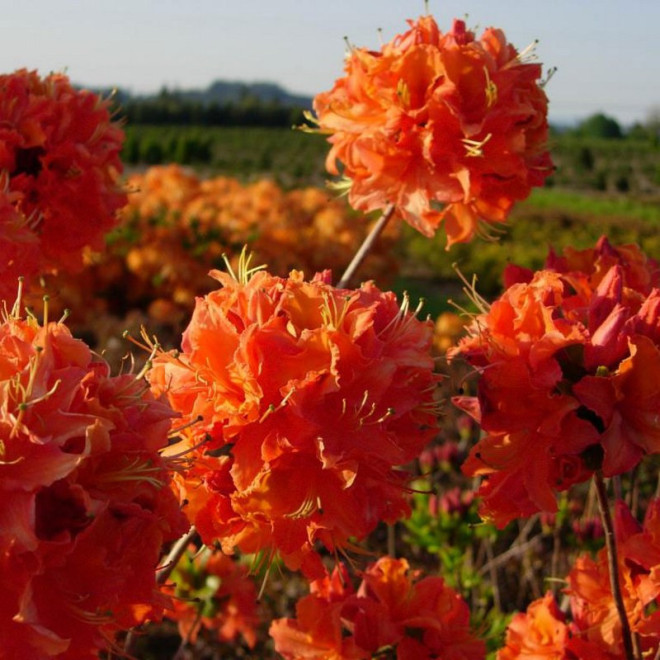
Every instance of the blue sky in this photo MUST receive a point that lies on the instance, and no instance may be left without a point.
(607, 51)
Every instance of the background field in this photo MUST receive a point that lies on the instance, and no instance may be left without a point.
(601, 185)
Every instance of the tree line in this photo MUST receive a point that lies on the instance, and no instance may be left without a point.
(172, 109)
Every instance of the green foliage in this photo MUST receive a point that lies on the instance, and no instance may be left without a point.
(583, 162)
(556, 218)
(291, 157)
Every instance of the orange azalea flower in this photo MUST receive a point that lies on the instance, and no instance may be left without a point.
(59, 167)
(437, 119)
(318, 632)
(310, 397)
(86, 505)
(640, 273)
(592, 628)
(592, 605)
(541, 633)
(212, 591)
(568, 363)
(392, 608)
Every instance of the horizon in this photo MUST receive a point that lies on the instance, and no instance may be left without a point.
(561, 122)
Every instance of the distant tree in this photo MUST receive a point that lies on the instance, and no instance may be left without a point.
(600, 126)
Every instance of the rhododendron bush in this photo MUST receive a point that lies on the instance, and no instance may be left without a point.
(391, 609)
(282, 477)
(593, 629)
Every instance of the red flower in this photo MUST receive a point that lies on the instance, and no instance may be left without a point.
(310, 397)
(59, 168)
(86, 505)
(437, 119)
(318, 631)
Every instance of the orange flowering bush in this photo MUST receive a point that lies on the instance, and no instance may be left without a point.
(177, 226)
(569, 362)
(448, 128)
(196, 221)
(212, 592)
(59, 168)
(392, 609)
(309, 397)
(86, 504)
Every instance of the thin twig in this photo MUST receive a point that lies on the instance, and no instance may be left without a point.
(514, 551)
(631, 652)
(365, 247)
(634, 491)
(517, 547)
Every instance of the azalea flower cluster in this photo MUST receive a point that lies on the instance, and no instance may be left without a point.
(59, 169)
(391, 610)
(213, 592)
(86, 502)
(595, 629)
(303, 399)
(177, 226)
(448, 128)
(569, 364)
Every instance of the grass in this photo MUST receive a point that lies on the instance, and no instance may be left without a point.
(594, 204)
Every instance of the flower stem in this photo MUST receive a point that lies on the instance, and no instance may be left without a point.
(174, 555)
(365, 247)
(162, 574)
(630, 648)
